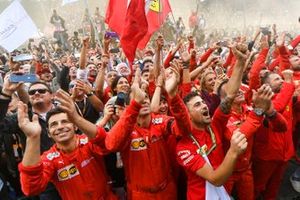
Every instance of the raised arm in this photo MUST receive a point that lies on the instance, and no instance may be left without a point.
(118, 137)
(234, 83)
(219, 176)
(68, 106)
(85, 46)
(34, 176)
(99, 82)
(176, 104)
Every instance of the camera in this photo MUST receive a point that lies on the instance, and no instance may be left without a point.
(120, 101)
(265, 30)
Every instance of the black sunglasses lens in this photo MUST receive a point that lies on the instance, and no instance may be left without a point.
(40, 91)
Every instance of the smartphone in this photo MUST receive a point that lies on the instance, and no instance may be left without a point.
(110, 34)
(219, 70)
(114, 50)
(264, 30)
(223, 43)
(22, 57)
(26, 78)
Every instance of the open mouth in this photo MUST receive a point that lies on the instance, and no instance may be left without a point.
(205, 113)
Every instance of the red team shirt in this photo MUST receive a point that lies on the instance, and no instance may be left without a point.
(77, 175)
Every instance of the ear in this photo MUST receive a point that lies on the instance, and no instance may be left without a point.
(75, 127)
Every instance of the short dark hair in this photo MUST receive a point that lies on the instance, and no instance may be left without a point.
(52, 112)
(189, 96)
(42, 83)
(265, 78)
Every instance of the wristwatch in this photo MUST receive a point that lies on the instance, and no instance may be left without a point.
(258, 111)
(90, 94)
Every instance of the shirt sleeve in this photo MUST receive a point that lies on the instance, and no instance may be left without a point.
(34, 179)
(189, 159)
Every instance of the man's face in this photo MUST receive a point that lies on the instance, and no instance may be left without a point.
(148, 65)
(61, 130)
(145, 75)
(25, 69)
(73, 71)
(295, 62)
(63, 59)
(92, 70)
(198, 110)
(275, 81)
(240, 97)
(47, 77)
(39, 95)
(163, 107)
(110, 76)
(145, 110)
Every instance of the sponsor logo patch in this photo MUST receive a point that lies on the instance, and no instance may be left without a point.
(51, 156)
(138, 144)
(157, 120)
(67, 172)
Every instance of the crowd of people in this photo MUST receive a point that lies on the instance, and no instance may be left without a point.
(196, 118)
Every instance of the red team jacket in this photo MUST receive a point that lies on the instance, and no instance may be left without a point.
(145, 152)
(188, 157)
(77, 175)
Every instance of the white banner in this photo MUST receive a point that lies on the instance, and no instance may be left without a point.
(16, 27)
(68, 1)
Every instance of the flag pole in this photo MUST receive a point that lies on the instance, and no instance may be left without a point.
(161, 31)
(93, 24)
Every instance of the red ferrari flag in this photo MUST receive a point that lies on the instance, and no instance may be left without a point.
(158, 11)
(115, 15)
(135, 28)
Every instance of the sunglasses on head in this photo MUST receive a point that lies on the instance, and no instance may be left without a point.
(40, 91)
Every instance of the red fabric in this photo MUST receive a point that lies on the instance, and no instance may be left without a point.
(268, 177)
(115, 15)
(168, 59)
(229, 59)
(145, 153)
(248, 123)
(191, 161)
(284, 62)
(155, 20)
(243, 182)
(193, 63)
(274, 64)
(277, 145)
(76, 175)
(295, 41)
(254, 82)
(193, 20)
(107, 95)
(206, 55)
(135, 28)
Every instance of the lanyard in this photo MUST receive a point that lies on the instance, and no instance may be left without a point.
(83, 109)
(203, 150)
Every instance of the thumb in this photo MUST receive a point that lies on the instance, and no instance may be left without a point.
(254, 93)
(35, 118)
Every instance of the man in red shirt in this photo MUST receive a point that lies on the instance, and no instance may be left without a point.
(74, 164)
(201, 153)
(144, 149)
(272, 150)
(248, 120)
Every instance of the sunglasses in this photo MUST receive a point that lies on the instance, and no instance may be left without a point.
(40, 91)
